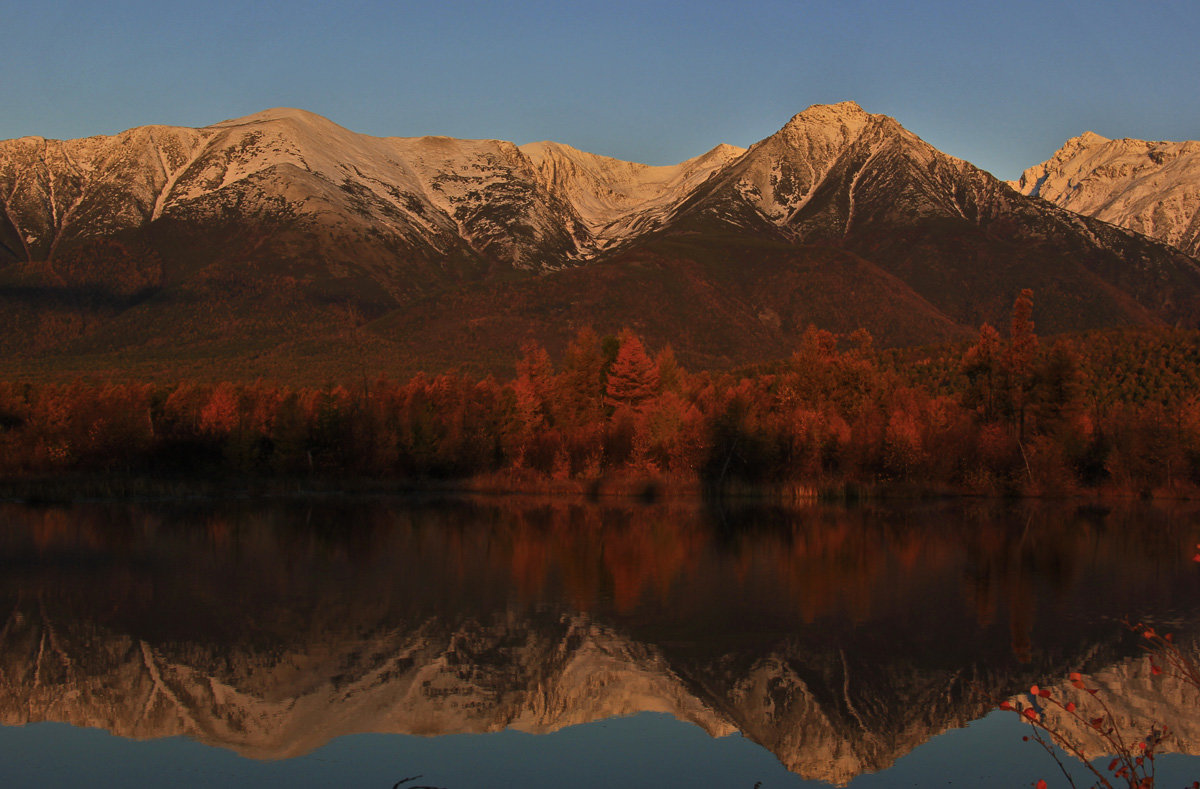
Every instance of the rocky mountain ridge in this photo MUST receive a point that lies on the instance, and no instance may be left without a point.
(434, 194)
(617, 200)
(1146, 186)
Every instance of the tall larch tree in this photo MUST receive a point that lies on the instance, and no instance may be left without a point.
(633, 377)
(533, 389)
(1021, 358)
(580, 385)
(981, 366)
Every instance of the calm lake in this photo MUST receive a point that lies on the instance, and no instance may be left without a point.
(518, 642)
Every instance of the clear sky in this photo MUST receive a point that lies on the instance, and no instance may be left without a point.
(1001, 84)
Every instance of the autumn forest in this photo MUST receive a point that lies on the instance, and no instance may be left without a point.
(1113, 413)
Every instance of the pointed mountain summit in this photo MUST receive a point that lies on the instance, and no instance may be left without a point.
(952, 236)
(1149, 187)
(281, 114)
(280, 231)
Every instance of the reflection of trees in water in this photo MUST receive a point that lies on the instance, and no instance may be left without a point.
(842, 567)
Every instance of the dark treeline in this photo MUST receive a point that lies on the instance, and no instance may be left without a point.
(1115, 412)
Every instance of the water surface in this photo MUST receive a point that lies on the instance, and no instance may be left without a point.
(516, 642)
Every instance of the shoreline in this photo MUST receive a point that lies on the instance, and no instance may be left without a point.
(645, 489)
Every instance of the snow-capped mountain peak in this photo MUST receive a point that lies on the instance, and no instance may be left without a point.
(277, 114)
(847, 113)
(780, 174)
(1152, 187)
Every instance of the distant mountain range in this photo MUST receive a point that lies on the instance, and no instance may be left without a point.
(281, 244)
(1150, 187)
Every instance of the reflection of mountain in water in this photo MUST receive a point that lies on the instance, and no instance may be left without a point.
(838, 639)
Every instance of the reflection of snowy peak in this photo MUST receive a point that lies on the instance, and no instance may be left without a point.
(433, 679)
(826, 717)
(429, 680)
(271, 630)
(1150, 187)
(1136, 699)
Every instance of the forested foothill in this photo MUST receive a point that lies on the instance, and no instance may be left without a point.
(1112, 413)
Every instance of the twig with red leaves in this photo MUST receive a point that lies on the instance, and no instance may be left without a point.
(1132, 764)
(1165, 654)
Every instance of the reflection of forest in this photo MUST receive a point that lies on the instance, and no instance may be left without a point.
(838, 638)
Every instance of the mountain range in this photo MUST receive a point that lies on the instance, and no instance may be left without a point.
(1150, 187)
(282, 244)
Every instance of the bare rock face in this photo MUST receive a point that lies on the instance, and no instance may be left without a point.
(1149, 187)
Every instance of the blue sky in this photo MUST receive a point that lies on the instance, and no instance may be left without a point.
(999, 84)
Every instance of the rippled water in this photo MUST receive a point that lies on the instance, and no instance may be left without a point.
(521, 642)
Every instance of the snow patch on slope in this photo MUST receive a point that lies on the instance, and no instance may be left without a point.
(1149, 187)
(782, 172)
(617, 199)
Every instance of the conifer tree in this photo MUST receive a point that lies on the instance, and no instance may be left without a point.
(535, 375)
(633, 377)
(670, 375)
(981, 365)
(580, 386)
(1022, 352)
